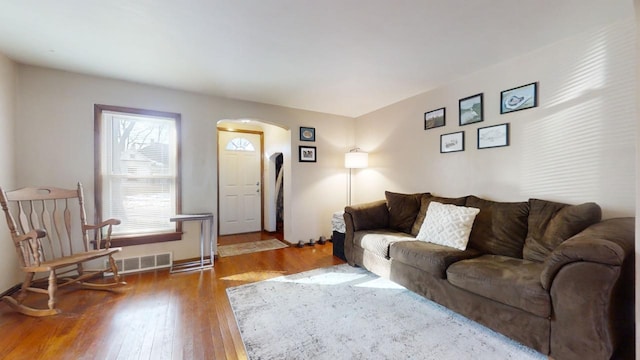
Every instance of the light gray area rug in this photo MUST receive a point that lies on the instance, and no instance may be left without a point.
(343, 312)
(250, 247)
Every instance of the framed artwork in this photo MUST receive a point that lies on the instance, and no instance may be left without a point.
(471, 109)
(307, 134)
(307, 153)
(520, 98)
(493, 136)
(434, 118)
(452, 142)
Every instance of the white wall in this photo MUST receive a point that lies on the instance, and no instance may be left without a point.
(10, 273)
(577, 146)
(55, 118)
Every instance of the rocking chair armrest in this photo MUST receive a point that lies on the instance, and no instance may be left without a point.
(103, 224)
(107, 239)
(33, 234)
(30, 247)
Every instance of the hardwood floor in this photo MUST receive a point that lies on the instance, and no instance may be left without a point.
(157, 315)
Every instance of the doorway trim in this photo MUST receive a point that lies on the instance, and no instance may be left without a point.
(226, 129)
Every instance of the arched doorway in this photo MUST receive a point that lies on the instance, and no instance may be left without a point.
(276, 162)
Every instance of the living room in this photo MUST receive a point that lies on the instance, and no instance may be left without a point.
(578, 145)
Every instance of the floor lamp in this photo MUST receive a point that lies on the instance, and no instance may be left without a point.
(354, 159)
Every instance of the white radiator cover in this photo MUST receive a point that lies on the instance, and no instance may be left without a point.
(142, 263)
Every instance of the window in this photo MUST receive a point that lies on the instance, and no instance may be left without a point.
(240, 144)
(138, 173)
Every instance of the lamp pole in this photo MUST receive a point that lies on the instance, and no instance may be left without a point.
(349, 189)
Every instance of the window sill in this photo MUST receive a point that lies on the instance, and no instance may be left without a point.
(143, 239)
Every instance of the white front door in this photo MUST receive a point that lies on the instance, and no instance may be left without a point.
(240, 204)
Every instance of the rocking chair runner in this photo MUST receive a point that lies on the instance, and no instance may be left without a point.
(44, 243)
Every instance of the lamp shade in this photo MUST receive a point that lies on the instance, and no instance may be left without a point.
(356, 160)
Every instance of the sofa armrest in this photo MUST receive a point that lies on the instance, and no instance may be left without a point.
(373, 215)
(590, 278)
(608, 242)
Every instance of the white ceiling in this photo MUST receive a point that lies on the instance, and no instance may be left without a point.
(347, 57)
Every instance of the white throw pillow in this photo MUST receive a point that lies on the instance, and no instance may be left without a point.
(448, 225)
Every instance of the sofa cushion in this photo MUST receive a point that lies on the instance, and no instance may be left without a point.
(425, 200)
(510, 281)
(431, 258)
(500, 228)
(378, 241)
(403, 209)
(551, 223)
(448, 225)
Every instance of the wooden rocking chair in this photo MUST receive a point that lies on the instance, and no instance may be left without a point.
(44, 243)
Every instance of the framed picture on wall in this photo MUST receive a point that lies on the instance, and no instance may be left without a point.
(307, 134)
(471, 109)
(434, 118)
(520, 98)
(307, 153)
(452, 142)
(493, 136)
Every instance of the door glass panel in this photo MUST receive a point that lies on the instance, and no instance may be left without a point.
(240, 144)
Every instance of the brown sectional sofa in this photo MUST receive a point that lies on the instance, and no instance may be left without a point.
(551, 276)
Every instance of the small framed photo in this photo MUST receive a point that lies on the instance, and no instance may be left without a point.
(520, 98)
(307, 153)
(434, 118)
(493, 136)
(471, 109)
(307, 134)
(452, 142)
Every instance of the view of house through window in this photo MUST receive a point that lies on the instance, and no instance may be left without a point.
(139, 170)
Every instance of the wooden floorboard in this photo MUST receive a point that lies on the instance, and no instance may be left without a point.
(158, 315)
